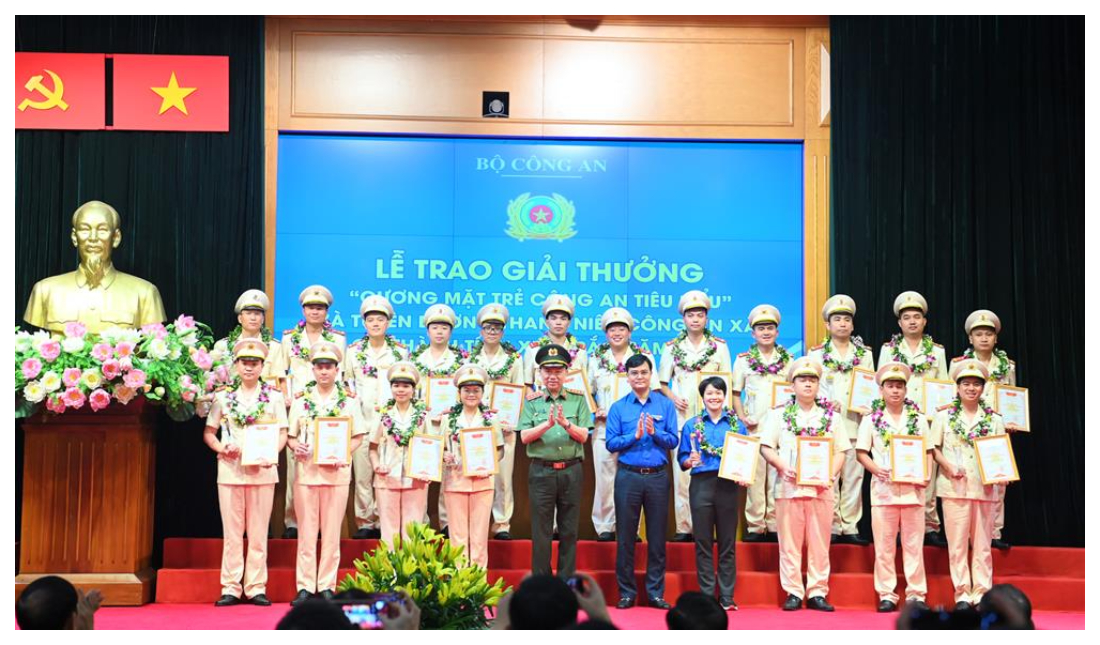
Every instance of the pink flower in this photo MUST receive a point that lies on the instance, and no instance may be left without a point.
(55, 404)
(188, 395)
(124, 394)
(75, 330)
(102, 351)
(126, 364)
(134, 379)
(71, 376)
(155, 329)
(184, 323)
(202, 359)
(185, 381)
(210, 381)
(222, 374)
(124, 349)
(99, 399)
(73, 398)
(111, 369)
(31, 368)
(50, 350)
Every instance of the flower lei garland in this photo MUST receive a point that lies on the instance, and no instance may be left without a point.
(360, 346)
(313, 410)
(697, 432)
(509, 350)
(1003, 364)
(402, 437)
(570, 339)
(296, 348)
(791, 411)
(679, 356)
(603, 353)
(922, 362)
(913, 414)
(459, 356)
(235, 335)
(983, 429)
(832, 363)
(756, 361)
(246, 416)
(456, 410)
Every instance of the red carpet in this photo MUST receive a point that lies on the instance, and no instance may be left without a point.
(1054, 578)
(165, 616)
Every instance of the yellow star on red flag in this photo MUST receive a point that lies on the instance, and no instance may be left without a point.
(173, 95)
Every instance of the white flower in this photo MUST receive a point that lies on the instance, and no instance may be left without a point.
(175, 353)
(72, 345)
(51, 381)
(189, 339)
(34, 392)
(158, 349)
(91, 378)
(39, 338)
(23, 342)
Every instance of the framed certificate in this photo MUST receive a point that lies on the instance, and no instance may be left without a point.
(996, 463)
(424, 457)
(332, 440)
(440, 393)
(702, 376)
(507, 399)
(908, 462)
(937, 394)
(577, 380)
(739, 457)
(781, 391)
(479, 452)
(814, 462)
(862, 390)
(1012, 404)
(618, 389)
(261, 443)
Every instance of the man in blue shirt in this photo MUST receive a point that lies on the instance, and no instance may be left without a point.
(713, 500)
(641, 430)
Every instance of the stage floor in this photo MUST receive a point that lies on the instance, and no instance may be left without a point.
(195, 616)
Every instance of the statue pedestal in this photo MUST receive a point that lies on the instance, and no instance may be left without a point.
(88, 488)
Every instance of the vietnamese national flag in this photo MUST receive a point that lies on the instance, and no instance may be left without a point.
(171, 93)
(60, 91)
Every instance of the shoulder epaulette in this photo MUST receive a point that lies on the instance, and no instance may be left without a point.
(400, 344)
(670, 343)
(958, 358)
(350, 395)
(717, 339)
(533, 344)
(340, 332)
(299, 395)
(580, 345)
(743, 354)
(572, 391)
(288, 332)
(943, 407)
(817, 347)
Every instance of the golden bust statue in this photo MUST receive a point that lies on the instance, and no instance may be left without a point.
(96, 294)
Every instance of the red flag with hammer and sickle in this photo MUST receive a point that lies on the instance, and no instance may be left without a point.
(59, 91)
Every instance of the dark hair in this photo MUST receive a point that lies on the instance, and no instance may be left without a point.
(696, 610)
(1004, 606)
(637, 360)
(46, 603)
(543, 602)
(315, 614)
(594, 623)
(715, 382)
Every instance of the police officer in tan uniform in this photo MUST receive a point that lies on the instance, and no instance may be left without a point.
(365, 370)
(503, 363)
(926, 358)
(839, 355)
(296, 344)
(692, 351)
(251, 309)
(558, 311)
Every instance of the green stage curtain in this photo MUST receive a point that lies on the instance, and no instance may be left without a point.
(191, 207)
(958, 171)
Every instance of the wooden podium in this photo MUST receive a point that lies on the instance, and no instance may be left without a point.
(88, 488)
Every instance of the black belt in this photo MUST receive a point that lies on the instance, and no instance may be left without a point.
(643, 470)
(556, 465)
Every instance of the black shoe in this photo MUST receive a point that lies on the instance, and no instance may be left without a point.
(752, 536)
(771, 536)
(859, 540)
(362, 534)
(658, 603)
(793, 603)
(887, 606)
(502, 535)
(606, 536)
(682, 537)
(260, 600)
(819, 603)
(291, 533)
(327, 594)
(637, 538)
(625, 603)
(446, 532)
(918, 604)
(227, 601)
(302, 596)
(728, 605)
(556, 537)
(962, 605)
(933, 538)
(998, 543)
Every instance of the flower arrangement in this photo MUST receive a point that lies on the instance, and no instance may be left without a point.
(165, 364)
(450, 592)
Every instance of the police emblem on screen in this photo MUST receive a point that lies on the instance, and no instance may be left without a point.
(540, 217)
